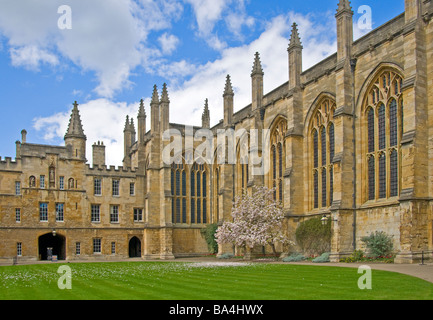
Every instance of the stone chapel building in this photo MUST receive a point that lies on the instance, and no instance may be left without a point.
(351, 139)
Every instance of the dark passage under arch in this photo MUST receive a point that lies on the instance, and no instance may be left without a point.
(48, 243)
(134, 248)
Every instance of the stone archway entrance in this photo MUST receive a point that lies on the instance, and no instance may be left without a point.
(134, 248)
(49, 244)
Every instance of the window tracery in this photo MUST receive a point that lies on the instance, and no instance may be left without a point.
(323, 145)
(384, 114)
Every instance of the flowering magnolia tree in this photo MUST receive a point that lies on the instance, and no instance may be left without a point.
(257, 220)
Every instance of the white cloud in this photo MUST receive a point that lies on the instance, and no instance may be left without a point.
(53, 127)
(238, 18)
(168, 43)
(208, 81)
(207, 13)
(191, 84)
(108, 37)
(210, 12)
(31, 57)
(102, 119)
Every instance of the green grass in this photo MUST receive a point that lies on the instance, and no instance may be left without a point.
(189, 281)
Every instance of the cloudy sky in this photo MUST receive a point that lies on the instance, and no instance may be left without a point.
(114, 51)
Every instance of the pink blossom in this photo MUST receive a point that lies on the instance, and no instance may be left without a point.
(257, 220)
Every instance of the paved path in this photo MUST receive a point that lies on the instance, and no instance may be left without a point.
(416, 270)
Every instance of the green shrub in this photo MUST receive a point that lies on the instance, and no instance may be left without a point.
(226, 256)
(349, 259)
(295, 257)
(323, 258)
(313, 237)
(209, 235)
(357, 255)
(379, 244)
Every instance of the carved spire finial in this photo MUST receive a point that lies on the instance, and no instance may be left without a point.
(75, 128)
(141, 111)
(228, 90)
(155, 95)
(295, 40)
(257, 67)
(164, 95)
(205, 118)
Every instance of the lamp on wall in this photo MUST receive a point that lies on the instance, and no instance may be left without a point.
(54, 232)
(325, 219)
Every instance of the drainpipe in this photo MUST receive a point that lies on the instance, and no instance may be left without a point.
(353, 67)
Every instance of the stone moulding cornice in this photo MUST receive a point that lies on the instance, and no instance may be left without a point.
(293, 91)
(409, 27)
(338, 157)
(408, 137)
(408, 83)
(343, 111)
(340, 64)
(288, 172)
(406, 194)
(294, 132)
(336, 204)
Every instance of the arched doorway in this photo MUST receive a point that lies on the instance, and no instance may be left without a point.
(134, 248)
(52, 244)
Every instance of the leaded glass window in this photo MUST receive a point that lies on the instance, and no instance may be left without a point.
(316, 190)
(178, 193)
(331, 142)
(382, 129)
(382, 176)
(393, 174)
(384, 115)
(393, 125)
(198, 194)
(324, 200)
(277, 157)
(323, 142)
(371, 130)
(323, 130)
(371, 179)
(316, 149)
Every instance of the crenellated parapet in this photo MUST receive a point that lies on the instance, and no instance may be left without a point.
(7, 164)
(111, 170)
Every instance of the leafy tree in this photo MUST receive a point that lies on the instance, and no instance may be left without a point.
(209, 234)
(257, 220)
(313, 237)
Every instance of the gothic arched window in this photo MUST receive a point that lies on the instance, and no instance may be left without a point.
(382, 176)
(371, 178)
(198, 186)
(316, 189)
(323, 152)
(384, 115)
(216, 191)
(242, 174)
(278, 135)
(393, 174)
(178, 193)
(371, 140)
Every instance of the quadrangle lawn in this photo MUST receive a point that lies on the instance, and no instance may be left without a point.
(204, 281)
